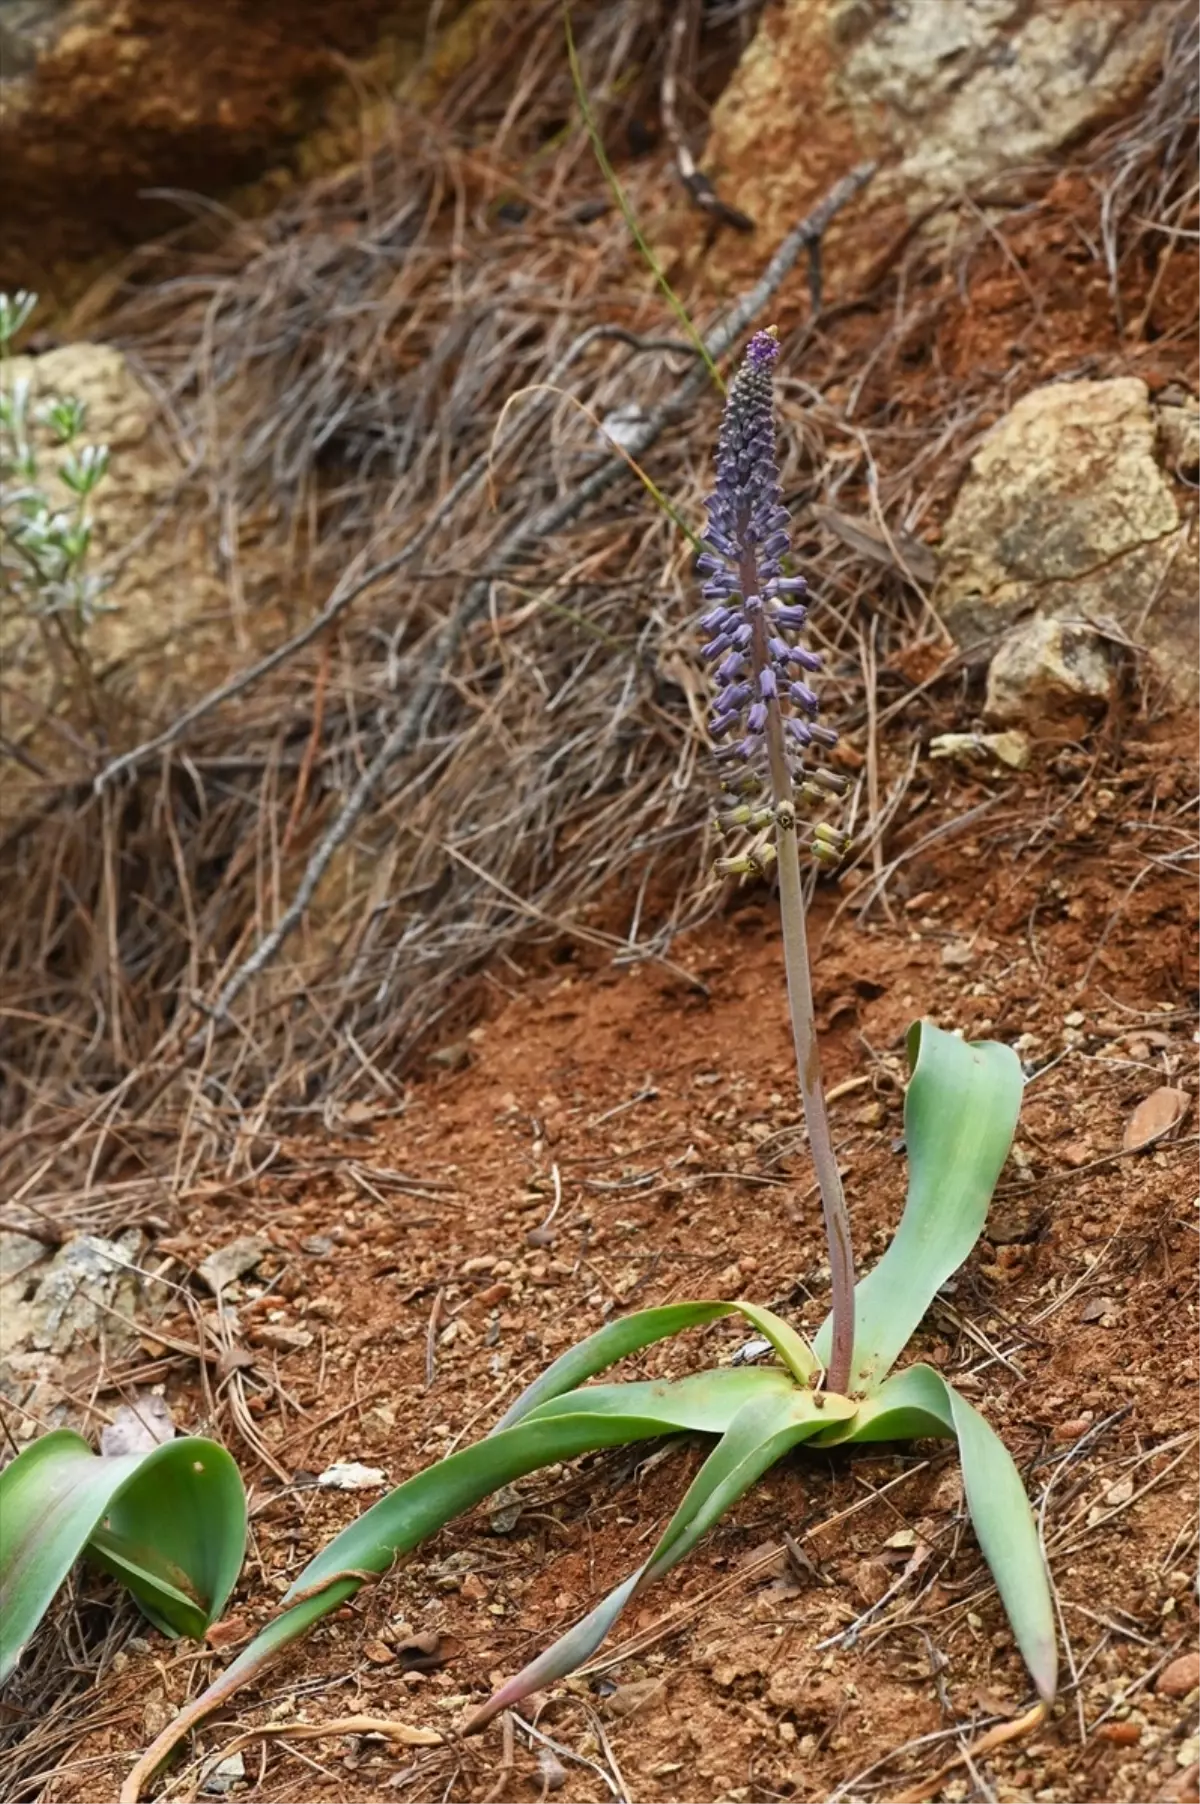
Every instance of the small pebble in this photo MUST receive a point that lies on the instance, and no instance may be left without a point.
(1180, 1677)
(1121, 1735)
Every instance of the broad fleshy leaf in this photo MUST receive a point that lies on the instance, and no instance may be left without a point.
(587, 1420)
(760, 1434)
(918, 1401)
(960, 1112)
(630, 1333)
(702, 1403)
(908, 1406)
(169, 1522)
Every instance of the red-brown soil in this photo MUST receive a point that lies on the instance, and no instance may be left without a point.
(663, 1102)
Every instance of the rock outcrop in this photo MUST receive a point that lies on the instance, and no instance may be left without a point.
(110, 104)
(1072, 512)
(945, 93)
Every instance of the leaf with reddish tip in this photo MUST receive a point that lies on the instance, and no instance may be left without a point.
(918, 1401)
(760, 1434)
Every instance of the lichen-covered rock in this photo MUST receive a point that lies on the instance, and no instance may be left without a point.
(1068, 512)
(945, 93)
(1179, 435)
(1045, 669)
(58, 1312)
(107, 104)
(966, 88)
(75, 1296)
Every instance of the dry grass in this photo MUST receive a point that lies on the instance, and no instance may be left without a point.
(335, 374)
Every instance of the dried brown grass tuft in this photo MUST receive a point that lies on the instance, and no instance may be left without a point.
(335, 373)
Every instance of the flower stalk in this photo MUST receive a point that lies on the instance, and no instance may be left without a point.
(763, 696)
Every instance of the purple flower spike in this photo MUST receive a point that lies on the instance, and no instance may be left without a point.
(754, 626)
(763, 349)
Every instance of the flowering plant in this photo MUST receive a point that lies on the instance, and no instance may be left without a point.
(961, 1109)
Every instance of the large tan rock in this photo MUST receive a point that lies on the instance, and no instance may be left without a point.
(1071, 510)
(945, 93)
(1047, 669)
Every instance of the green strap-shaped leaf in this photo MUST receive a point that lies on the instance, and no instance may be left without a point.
(630, 1333)
(590, 1419)
(703, 1403)
(960, 1113)
(170, 1523)
(918, 1401)
(761, 1433)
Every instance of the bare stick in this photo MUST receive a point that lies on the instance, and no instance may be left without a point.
(523, 538)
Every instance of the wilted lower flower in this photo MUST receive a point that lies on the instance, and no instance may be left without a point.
(765, 712)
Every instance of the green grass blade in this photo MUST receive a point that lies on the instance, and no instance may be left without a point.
(960, 1113)
(918, 1401)
(761, 1433)
(630, 1333)
(171, 1523)
(618, 193)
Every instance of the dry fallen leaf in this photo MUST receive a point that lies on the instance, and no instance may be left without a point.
(425, 1653)
(234, 1359)
(1154, 1118)
(627, 1699)
(227, 1633)
(350, 1475)
(282, 1339)
(551, 1771)
(229, 1262)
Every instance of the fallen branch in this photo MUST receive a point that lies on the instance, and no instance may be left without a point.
(698, 186)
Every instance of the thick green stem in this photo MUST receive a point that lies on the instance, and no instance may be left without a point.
(804, 1037)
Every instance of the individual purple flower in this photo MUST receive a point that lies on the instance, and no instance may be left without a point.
(759, 609)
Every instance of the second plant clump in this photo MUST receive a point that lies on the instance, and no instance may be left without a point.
(961, 1110)
(45, 541)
